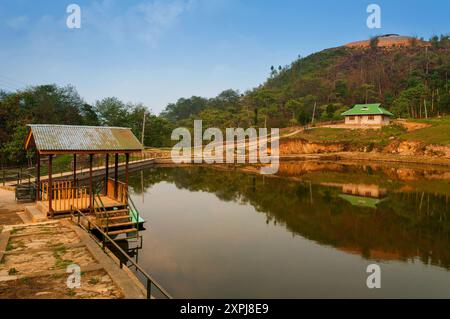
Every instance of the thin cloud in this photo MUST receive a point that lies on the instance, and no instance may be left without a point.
(17, 23)
(145, 22)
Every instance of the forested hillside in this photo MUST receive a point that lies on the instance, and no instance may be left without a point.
(410, 81)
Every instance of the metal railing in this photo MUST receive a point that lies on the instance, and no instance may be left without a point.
(19, 176)
(150, 282)
(132, 210)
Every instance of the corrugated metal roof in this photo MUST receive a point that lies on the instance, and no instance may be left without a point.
(49, 137)
(367, 109)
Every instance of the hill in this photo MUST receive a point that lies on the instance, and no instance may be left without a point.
(389, 41)
(409, 76)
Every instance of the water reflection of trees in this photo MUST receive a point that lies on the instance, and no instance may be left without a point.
(403, 226)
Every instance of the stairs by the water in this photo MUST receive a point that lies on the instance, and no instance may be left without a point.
(115, 221)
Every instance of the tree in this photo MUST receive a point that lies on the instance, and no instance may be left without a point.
(409, 101)
(367, 92)
(157, 131)
(14, 150)
(294, 106)
(112, 112)
(184, 108)
(374, 43)
(90, 117)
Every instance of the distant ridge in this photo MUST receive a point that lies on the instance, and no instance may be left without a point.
(389, 41)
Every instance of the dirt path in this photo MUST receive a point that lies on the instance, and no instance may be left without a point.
(411, 126)
(9, 209)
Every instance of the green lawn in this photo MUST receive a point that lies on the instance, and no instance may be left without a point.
(438, 133)
(359, 137)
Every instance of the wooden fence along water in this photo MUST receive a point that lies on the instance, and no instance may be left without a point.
(122, 194)
(65, 194)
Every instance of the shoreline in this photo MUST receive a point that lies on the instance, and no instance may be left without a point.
(339, 157)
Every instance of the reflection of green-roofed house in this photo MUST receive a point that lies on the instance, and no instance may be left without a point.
(363, 195)
(361, 201)
(367, 114)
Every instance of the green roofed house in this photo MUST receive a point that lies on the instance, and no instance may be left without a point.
(367, 114)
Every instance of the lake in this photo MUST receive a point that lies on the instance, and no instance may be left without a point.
(311, 231)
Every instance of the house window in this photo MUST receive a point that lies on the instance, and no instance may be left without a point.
(371, 117)
(351, 118)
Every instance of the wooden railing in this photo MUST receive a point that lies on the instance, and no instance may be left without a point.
(122, 194)
(57, 187)
(65, 195)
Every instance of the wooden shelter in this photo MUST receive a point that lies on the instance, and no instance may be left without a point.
(59, 196)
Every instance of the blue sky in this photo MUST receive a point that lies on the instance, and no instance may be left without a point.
(155, 51)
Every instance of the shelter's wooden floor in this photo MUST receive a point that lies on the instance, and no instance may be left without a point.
(64, 205)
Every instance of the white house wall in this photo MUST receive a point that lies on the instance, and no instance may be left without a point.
(364, 120)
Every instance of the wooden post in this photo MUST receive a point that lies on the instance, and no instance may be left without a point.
(127, 160)
(50, 185)
(38, 176)
(91, 188)
(75, 170)
(116, 174)
(106, 173)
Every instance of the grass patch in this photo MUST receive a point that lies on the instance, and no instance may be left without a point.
(9, 246)
(12, 271)
(355, 136)
(60, 163)
(94, 281)
(437, 133)
(59, 249)
(60, 262)
(19, 244)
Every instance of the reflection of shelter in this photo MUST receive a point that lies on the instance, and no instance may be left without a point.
(363, 195)
(364, 190)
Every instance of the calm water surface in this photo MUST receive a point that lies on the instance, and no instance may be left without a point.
(309, 232)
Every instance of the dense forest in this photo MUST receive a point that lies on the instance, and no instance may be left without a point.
(410, 81)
